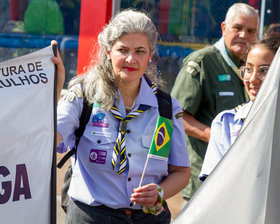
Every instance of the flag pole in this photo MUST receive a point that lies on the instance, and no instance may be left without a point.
(53, 168)
(159, 151)
(143, 173)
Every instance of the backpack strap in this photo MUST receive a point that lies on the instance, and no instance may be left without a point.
(84, 118)
(164, 104)
(164, 100)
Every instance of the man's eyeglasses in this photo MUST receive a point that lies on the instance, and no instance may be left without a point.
(246, 72)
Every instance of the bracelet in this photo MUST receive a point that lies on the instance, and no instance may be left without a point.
(157, 208)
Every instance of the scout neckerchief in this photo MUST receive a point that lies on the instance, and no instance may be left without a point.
(163, 128)
(120, 146)
(244, 113)
(236, 109)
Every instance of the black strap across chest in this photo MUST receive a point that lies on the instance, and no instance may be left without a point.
(164, 107)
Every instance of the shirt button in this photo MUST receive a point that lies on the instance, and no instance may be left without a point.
(131, 204)
(128, 131)
(129, 179)
(98, 141)
(129, 154)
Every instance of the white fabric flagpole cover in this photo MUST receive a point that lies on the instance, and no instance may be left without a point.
(244, 187)
(26, 137)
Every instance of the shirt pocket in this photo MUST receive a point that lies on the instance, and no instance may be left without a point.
(224, 101)
(98, 147)
(100, 136)
(146, 141)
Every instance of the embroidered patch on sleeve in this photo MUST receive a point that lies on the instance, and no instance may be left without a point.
(179, 115)
(193, 68)
(73, 92)
(78, 92)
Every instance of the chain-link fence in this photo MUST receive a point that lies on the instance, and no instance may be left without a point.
(196, 21)
(183, 25)
(192, 24)
(28, 25)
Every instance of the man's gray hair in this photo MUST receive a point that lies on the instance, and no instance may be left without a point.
(240, 8)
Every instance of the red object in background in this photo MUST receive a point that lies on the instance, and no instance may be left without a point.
(94, 15)
(254, 3)
(17, 9)
(14, 9)
(164, 10)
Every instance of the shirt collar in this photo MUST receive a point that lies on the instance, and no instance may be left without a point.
(235, 60)
(145, 96)
(243, 110)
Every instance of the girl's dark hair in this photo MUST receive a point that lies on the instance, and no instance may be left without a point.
(270, 41)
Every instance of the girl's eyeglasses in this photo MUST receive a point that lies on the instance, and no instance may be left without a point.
(246, 72)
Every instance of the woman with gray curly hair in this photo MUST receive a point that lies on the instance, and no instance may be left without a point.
(108, 185)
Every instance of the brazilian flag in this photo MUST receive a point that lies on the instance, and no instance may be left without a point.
(160, 145)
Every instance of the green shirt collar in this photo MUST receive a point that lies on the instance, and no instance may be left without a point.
(235, 60)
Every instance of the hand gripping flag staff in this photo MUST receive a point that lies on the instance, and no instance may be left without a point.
(28, 138)
(160, 145)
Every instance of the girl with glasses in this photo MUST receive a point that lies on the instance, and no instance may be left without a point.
(227, 125)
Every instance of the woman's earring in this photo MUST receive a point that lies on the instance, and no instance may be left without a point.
(150, 61)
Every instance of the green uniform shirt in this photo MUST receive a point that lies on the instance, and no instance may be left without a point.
(205, 86)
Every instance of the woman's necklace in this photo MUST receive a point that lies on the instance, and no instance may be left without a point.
(128, 109)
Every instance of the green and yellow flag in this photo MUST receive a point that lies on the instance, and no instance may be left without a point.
(160, 145)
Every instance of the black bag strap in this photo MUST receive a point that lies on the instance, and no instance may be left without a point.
(164, 104)
(164, 107)
(164, 101)
(84, 118)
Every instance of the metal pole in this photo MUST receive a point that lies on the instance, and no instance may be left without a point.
(53, 168)
(116, 7)
(262, 18)
(193, 20)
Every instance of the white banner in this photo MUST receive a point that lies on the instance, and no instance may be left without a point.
(244, 187)
(26, 137)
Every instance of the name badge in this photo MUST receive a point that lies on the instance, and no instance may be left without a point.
(226, 93)
(100, 133)
(224, 78)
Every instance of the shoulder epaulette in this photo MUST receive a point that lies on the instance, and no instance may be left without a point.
(77, 91)
(193, 68)
(84, 118)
